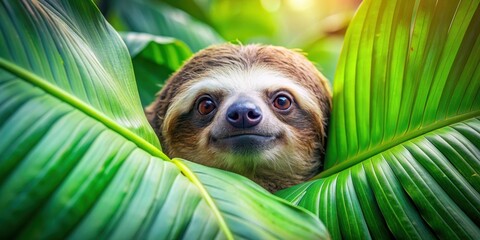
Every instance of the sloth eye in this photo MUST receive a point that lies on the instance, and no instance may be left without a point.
(282, 102)
(205, 105)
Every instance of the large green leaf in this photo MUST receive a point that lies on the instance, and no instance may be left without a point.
(403, 155)
(31, 49)
(157, 18)
(71, 165)
(154, 59)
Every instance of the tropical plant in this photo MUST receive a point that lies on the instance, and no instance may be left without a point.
(78, 159)
(403, 155)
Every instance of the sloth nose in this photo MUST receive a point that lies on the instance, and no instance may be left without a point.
(244, 115)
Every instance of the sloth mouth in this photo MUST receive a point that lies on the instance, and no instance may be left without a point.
(244, 143)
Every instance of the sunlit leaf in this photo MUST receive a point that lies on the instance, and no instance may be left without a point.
(61, 45)
(403, 154)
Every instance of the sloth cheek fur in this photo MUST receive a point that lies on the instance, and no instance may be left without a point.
(188, 138)
(298, 154)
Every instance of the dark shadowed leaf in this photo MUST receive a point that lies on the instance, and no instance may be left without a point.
(154, 60)
(160, 19)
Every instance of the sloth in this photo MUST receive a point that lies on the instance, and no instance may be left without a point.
(256, 110)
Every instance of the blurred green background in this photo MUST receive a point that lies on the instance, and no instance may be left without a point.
(316, 27)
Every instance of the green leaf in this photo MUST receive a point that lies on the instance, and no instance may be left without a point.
(31, 49)
(409, 76)
(195, 8)
(284, 221)
(403, 154)
(70, 170)
(154, 60)
(160, 19)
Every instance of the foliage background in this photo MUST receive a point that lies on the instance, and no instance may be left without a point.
(316, 27)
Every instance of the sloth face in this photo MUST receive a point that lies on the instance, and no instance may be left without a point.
(242, 109)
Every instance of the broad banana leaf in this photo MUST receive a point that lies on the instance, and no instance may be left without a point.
(154, 59)
(158, 18)
(79, 160)
(403, 155)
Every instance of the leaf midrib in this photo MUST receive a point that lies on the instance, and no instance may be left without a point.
(349, 162)
(78, 104)
(209, 200)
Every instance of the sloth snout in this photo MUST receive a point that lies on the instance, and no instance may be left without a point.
(244, 114)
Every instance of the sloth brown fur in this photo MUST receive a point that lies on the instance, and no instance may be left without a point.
(260, 111)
